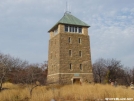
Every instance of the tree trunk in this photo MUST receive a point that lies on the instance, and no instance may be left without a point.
(1, 82)
(31, 90)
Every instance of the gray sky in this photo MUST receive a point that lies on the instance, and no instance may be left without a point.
(24, 26)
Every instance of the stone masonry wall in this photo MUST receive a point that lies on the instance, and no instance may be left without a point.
(53, 57)
(59, 59)
(53, 79)
(68, 78)
(75, 59)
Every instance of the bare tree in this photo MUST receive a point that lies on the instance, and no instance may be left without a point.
(11, 68)
(17, 70)
(132, 72)
(126, 78)
(114, 68)
(105, 70)
(34, 75)
(5, 64)
(99, 70)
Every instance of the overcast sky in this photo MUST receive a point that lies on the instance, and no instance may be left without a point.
(24, 26)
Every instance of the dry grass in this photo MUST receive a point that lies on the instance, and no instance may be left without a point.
(85, 92)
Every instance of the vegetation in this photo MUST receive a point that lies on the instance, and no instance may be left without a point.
(26, 82)
(86, 92)
(16, 71)
(111, 70)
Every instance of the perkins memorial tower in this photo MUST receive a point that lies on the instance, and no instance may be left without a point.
(69, 58)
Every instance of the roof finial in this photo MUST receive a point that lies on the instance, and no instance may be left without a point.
(67, 8)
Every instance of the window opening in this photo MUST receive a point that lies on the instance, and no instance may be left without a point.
(73, 29)
(70, 66)
(66, 28)
(80, 53)
(80, 66)
(69, 40)
(70, 52)
(76, 29)
(56, 30)
(80, 30)
(79, 40)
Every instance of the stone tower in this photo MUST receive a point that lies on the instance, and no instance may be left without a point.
(69, 58)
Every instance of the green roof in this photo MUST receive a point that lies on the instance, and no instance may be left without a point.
(71, 20)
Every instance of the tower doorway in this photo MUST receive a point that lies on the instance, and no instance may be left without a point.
(76, 80)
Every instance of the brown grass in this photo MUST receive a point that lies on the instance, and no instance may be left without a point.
(86, 92)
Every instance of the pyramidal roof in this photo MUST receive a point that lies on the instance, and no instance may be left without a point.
(71, 20)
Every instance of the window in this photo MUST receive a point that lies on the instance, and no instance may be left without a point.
(55, 31)
(70, 66)
(80, 53)
(76, 29)
(80, 66)
(80, 30)
(69, 40)
(79, 40)
(66, 28)
(70, 52)
(73, 29)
